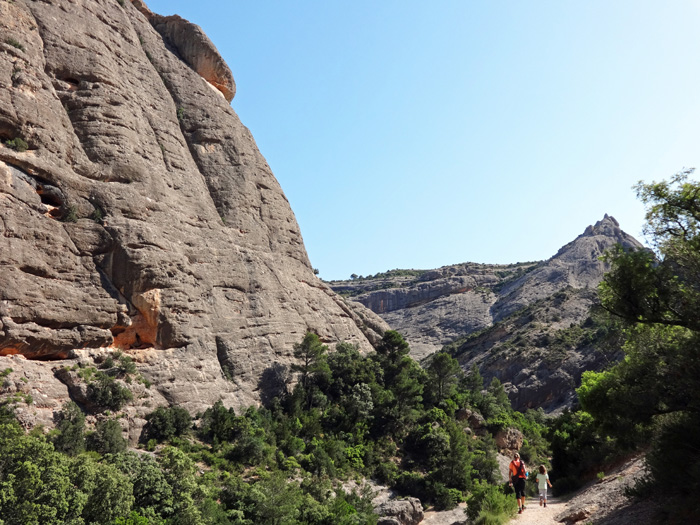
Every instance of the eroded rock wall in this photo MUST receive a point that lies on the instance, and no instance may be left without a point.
(142, 215)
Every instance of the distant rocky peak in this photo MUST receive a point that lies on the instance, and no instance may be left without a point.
(596, 239)
(607, 226)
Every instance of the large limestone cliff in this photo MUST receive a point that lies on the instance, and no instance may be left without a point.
(142, 215)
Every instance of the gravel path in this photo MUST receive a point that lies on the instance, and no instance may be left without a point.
(536, 515)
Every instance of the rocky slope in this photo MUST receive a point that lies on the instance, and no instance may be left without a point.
(136, 212)
(526, 323)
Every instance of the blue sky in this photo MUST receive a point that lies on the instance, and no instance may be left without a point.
(414, 134)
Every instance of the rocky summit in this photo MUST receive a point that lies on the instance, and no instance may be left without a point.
(527, 324)
(137, 214)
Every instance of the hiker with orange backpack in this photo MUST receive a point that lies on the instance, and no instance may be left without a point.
(518, 475)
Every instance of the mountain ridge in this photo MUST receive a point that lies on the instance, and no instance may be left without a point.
(452, 305)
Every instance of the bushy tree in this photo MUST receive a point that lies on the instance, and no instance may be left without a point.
(312, 365)
(403, 381)
(579, 447)
(274, 500)
(179, 472)
(35, 482)
(655, 294)
(349, 368)
(70, 431)
(217, 423)
(108, 393)
(444, 373)
(153, 494)
(109, 491)
(166, 423)
(107, 437)
(40, 485)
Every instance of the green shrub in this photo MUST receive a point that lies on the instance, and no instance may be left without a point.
(386, 472)
(674, 447)
(18, 144)
(579, 448)
(290, 465)
(445, 498)
(107, 363)
(107, 393)
(87, 373)
(107, 438)
(250, 450)
(490, 505)
(355, 456)
(412, 483)
(126, 364)
(217, 423)
(14, 43)
(167, 423)
(133, 519)
(71, 214)
(70, 432)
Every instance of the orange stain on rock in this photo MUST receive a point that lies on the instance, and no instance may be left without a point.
(143, 331)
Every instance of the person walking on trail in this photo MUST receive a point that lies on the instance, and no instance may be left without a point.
(542, 482)
(518, 475)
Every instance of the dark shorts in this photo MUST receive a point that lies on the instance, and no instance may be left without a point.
(519, 486)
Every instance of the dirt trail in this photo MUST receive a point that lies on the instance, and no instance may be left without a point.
(536, 515)
(600, 501)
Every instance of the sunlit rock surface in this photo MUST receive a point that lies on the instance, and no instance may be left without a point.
(142, 216)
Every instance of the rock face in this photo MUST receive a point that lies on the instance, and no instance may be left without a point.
(509, 439)
(407, 511)
(197, 50)
(432, 308)
(142, 215)
(605, 502)
(521, 323)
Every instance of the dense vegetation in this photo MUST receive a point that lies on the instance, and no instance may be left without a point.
(348, 417)
(390, 273)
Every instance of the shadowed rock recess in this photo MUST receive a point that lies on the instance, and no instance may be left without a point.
(141, 215)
